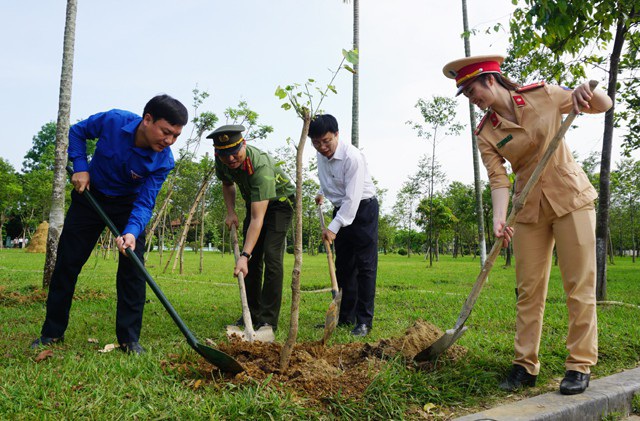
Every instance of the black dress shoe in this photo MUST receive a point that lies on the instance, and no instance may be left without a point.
(517, 379)
(45, 341)
(574, 382)
(361, 330)
(132, 348)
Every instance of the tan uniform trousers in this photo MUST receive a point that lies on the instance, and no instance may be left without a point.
(574, 235)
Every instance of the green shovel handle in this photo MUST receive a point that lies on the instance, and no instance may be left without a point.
(156, 289)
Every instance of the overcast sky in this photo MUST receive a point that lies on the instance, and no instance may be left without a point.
(128, 51)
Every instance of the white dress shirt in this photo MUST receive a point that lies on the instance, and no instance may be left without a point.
(345, 181)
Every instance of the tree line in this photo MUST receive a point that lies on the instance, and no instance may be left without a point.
(429, 215)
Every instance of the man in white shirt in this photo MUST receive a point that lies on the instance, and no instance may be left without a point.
(345, 181)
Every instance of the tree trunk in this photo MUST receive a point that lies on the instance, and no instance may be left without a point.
(287, 348)
(633, 235)
(610, 247)
(202, 207)
(187, 224)
(602, 219)
(355, 132)
(433, 165)
(56, 214)
(474, 150)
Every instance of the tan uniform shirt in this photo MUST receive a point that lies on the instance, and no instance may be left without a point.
(538, 110)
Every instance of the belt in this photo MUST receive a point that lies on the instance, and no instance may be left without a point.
(98, 193)
(362, 202)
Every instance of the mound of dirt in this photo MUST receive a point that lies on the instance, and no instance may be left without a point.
(38, 241)
(416, 338)
(316, 372)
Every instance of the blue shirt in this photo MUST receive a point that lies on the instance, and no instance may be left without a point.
(118, 167)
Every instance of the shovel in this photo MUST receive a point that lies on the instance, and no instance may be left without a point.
(265, 333)
(331, 319)
(221, 360)
(452, 335)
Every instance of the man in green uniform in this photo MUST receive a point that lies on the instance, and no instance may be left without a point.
(269, 195)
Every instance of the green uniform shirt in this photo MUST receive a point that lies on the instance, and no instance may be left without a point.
(258, 178)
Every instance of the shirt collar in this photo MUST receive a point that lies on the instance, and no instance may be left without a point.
(341, 151)
(130, 128)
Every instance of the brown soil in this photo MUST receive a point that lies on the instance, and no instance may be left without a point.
(316, 372)
(38, 241)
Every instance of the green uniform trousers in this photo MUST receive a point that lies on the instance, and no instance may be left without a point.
(265, 296)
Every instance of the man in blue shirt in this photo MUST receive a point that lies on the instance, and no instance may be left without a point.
(131, 161)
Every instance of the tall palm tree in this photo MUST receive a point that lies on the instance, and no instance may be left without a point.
(356, 75)
(474, 150)
(56, 215)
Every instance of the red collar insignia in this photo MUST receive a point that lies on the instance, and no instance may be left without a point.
(495, 121)
(247, 166)
(519, 100)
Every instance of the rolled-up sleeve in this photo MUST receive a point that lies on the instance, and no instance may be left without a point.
(494, 163)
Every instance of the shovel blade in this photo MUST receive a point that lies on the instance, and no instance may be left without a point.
(264, 334)
(331, 319)
(441, 345)
(218, 358)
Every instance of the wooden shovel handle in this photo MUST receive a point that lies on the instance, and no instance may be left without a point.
(518, 204)
(327, 246)
(246, 313)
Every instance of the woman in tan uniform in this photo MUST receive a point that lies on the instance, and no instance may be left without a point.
(518, 126)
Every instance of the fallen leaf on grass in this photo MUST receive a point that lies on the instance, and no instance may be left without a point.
(209, 342)
(44, 355)
(428, 407)
(92, 340)
(109, 348)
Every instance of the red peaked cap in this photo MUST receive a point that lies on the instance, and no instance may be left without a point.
(467, 69)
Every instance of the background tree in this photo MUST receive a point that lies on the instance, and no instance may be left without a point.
(10, 192)
(560, 38)
(56, 215)
(439, 114)
(355, 94)
(460, 198)
(625, 192)
(407, 200)
(436, 215)
(477, 182)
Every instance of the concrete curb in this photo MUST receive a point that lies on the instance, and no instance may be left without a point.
(604, 396)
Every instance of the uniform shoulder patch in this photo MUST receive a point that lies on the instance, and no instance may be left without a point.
(481, 124)
(530, 87)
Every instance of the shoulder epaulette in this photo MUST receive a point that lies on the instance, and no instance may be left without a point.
(481, 124)
(530, 87)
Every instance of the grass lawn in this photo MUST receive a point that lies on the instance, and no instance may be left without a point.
(79, 382)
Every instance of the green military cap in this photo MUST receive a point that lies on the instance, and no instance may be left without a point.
(227, 139)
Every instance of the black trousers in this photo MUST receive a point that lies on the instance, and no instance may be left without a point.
(357, 264)
(82, 228)
(265, 296)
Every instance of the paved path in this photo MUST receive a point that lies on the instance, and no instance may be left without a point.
(604, 396)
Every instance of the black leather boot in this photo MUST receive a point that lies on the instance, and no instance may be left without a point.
(574, 382)
(517, 379)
